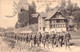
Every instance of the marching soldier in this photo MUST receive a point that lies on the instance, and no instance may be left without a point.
(61, 38)
(35, 39)
(44, 39)
(27, 38)
(32, 39)
(38, 39)
(67, 39)
(53, 35)
(47, 39)
(57, 39)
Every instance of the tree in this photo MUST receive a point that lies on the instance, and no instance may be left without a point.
(23, 17)
(63, 7)
(71, 10)
(75, 7)
(47, 8)
(70, 7)
(63, 4)
(16, 25)
(33, 7)
(76, 15)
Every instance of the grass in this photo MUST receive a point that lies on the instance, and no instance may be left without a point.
(9, 42)
(75, 38)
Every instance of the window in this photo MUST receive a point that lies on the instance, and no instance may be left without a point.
(54, 21)
(57, 21)
(51, 26)
(43, 28)
(57, 25)
(63, 25)
(54, 26)
(61, 20)
(40, 23)
(60, 25)
(40, 28)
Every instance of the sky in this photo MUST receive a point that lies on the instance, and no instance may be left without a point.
(6, 9)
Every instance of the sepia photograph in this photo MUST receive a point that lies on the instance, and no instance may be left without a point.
(39, 25)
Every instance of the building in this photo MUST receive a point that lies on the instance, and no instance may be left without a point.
(52, 21)
(34, 19)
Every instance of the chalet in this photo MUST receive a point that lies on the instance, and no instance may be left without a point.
(52, 21)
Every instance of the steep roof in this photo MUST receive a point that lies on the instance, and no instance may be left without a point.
(51, 13)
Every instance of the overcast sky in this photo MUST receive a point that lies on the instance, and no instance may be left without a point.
(6, 8)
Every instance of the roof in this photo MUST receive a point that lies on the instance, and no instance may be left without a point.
(35, 15)
(44, 14)
(51, 13)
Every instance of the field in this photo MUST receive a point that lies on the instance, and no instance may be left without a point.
(75, 38)
(10, 45)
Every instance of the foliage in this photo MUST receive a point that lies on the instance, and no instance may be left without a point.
(33, 7)
(72, 9)
(25, 15)
(47, 8)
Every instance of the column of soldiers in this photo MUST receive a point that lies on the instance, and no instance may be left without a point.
(45, 39)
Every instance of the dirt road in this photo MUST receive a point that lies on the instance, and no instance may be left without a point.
(22, 47)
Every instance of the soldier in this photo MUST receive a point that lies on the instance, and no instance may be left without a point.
(38, 40)
(61, 38)
(29, 35)
(35, 39)
(31, 38)
(57, 39)
(14, 36)
(44, 39)
(67, 39)
(47, 39)
(53, 35)
(40, 36)
(27, 38)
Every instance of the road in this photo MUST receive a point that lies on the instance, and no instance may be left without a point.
(23, 47)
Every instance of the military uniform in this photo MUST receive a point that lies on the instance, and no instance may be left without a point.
(67, 38)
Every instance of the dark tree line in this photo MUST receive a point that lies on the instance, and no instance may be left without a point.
(25, 15)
